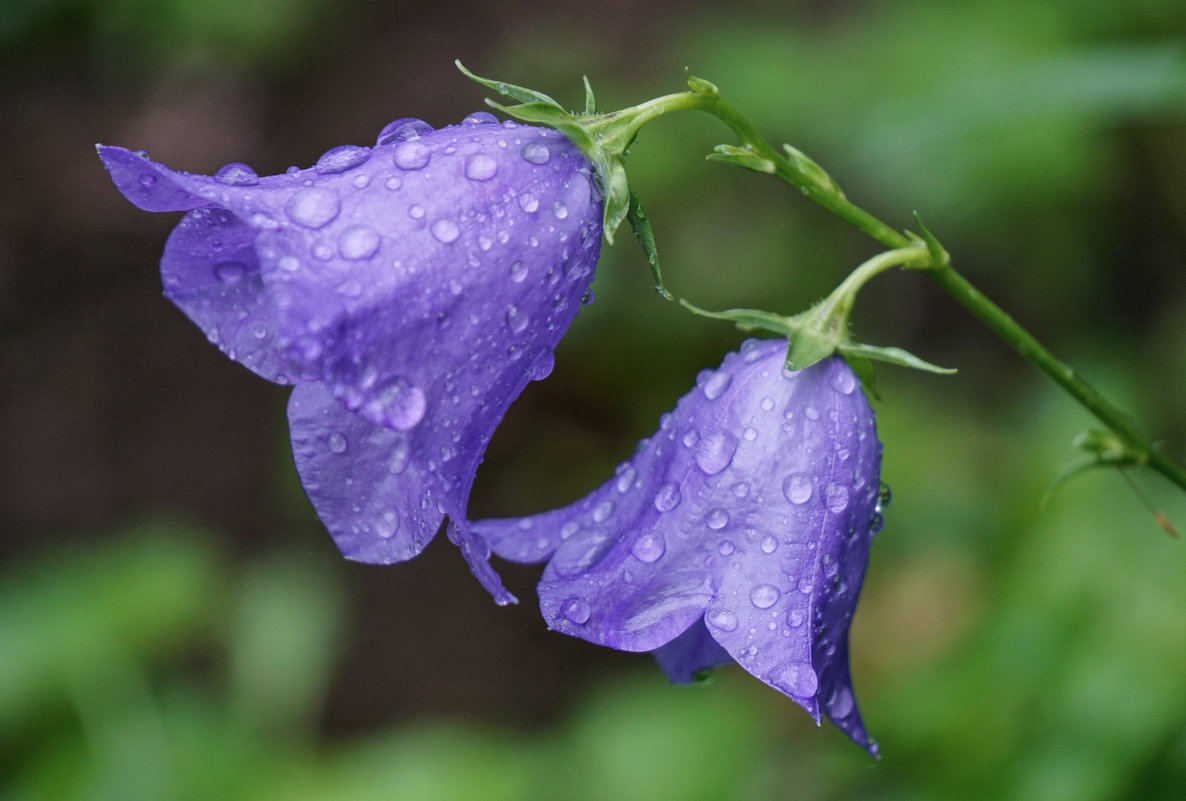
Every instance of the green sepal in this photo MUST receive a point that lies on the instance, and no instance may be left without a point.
(701, 86)
(746, 319)
(742, 157)
(809, 169)
(640, 224)
(939, 256)
(552, 116)
(612, 175)
(809, 346)
(590, 102)
(519, 93)
(891, 355)
(1107, 449)
(864, 371)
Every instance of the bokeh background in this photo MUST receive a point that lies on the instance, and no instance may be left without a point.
(174, 623)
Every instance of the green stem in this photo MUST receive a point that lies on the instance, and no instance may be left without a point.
(993, 316)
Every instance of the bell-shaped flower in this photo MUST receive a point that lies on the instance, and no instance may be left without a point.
(738, 532)
(409, 290)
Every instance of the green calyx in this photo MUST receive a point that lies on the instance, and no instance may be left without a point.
(823, 330)
(604, 138)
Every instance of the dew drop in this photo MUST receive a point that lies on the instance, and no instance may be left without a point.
(340, 159)
(337, 443)
(480, 167)
(726, 547)
(840, 703)
(516, 320)
(479, 118)
(668, 497)
(401, 130)
(393, 183)
(717, 519)
(313, 207)
(750, 433)
(229, 272)
(401, 454)
(518, 272)
(843, 381)
(236, 174)
(397, 403)
(717, 384)
(543, 366)
(767, 404)
(884, 496)
(769, 544)
(603, 510)
(148, 179)
(445, 231)
(559, 210)
(535, 152)
(576, 611)
(741, 489)
(387, 525)
(626, 479)
(715, 452)
(649, 547)
(691, 437)
(411, 155)
(797, 488)
(799, 679)
(722, 619)
(836, 497)
(568, 529)
(764, 596)
(358, 242)
(528, 202)
(794, 618)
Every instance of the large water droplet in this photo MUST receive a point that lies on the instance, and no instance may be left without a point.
(649, 547)
(840, 702)
(358, 242)
(764, 596)
(337, 443)
(401, 130)
(799, 679)
(794, 618)
(843, 381)
(769, 544)
(602, 511)
(445, 231)
(577, 554)
(797, 487)
(535, 152)
(528, 202)
(722, 619)
(516, 320)
(717, 519)
(542, 368)
(313, 206)
(714, 453)
(480, 167)
(387, 525)
(411, 155)
(397, 403)
(236, 174)
(576, 611)
(230, 272)
(342, 158)
(836, 497)
(716, 384)
(668, 497)
(479, 118)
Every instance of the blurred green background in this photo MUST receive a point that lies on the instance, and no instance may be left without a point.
(174, 623)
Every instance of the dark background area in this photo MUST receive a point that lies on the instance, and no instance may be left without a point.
(1003, 648)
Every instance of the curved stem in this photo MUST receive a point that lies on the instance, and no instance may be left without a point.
(993, 316)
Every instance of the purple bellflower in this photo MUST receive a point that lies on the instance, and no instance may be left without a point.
(410, 291)
(739, 532)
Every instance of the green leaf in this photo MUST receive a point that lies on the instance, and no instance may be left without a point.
(746, 319)
(891, 355)
(809, 347)
(617, 194)
(590, 102)
(520, 93)
(742, 157)
(701, 86)
(809, 169)
(939, 255)
(640, 224)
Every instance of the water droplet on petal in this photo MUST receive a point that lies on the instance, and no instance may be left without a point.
(445, 231)
(516, 320)
(576, 611)
(518, 272)
(313, 207)
(884, 496)
(229, 272)
(794, 618)
(559, 210)
(411, 155)
(722, 619)
(342, 158)
(726, 547)
(715, 452)
(535, 152)
(569, 528)
(358, 242)
(767, 404)
(626, 479)
(668, 497)
(797, 487)
(393, 183)
(480, 118)
(398, 403)
(236, 174)
(147, 179)
(843, 381)
(603, 510)
(337, 443)
(764, 596)
(716, 384)
(717, 519)
(387, 525)
(401, 130)
(691, 437)
(400, 455)
(840, 702)
(528, 202)
(649, 547)
(799, 680)
(836, 497)
(480, 167)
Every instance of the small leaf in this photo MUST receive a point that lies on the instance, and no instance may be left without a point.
(617, 193)
(641, 226)
(809, 347)
(939, 255)
(746, 319)
(809, 169)
(863, 368)
(701, 86)
(741, 157)
(891, 355)
(520, 93)
(590, 102)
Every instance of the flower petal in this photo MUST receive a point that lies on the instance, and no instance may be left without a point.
(751, 509)
(690, 654)
(378, 502)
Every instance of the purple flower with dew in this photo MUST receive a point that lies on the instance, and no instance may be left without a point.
(738, 532)
(409, 290)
